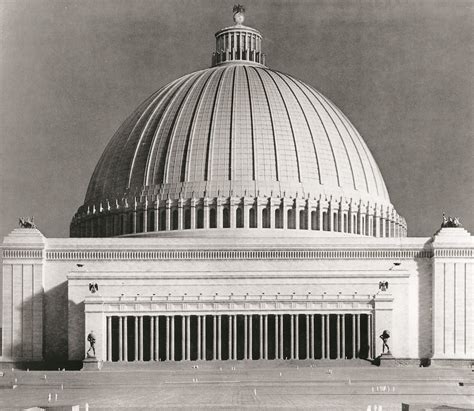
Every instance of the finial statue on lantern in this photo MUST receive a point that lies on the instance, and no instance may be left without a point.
(239, 14)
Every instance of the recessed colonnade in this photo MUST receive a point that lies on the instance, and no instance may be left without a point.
(239, 337)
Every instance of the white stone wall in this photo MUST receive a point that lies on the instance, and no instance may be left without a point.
(211, 264)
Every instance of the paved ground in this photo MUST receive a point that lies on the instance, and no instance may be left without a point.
(239, 385)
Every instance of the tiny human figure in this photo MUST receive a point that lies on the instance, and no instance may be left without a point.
(384, 337)
(91, 339)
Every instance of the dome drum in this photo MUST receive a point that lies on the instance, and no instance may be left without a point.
(322, 215)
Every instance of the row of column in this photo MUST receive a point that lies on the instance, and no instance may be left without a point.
(226, 216)
(326, 336)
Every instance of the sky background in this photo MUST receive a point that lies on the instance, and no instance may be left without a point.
(72, 71)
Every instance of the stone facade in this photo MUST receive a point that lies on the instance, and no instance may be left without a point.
(48, 308)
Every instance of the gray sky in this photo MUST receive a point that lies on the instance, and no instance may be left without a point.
(72, 71)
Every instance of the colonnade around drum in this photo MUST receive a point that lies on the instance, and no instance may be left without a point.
(220, 212)
(239, 337)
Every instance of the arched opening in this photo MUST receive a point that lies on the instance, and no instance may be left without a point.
(239, 220)
(291, 218)
(212, 218)
(354, 224)
(314, 220)
(252, 218)
(335, 219)
(381, 227)
(174, 219)
(265, 218)
(162, 219)
(187, 218)
(130, 223)
(140, 221)
(151, 220)
(278, 223)
(303, 220)
(346, 226)
(325, 221)
(200, 218)
(225, 217)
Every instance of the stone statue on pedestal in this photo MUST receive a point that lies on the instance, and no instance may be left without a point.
(91, 338)
(384, 337)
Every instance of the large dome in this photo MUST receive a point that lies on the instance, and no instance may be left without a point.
(231, 133)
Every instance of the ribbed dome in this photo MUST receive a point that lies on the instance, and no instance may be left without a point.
(237, 146)
(237, 128)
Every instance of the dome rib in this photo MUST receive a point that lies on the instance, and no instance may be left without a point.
(351, 167)
(275, 147)
(110, 185)
(147, 133)
(306, 121)
(156, 149)
(187, 161)
(297, 83)
(252, 131)
(329, 103)
(180, 127)
(283, 100)
(210, 134)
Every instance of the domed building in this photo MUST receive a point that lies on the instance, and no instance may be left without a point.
(237, 214)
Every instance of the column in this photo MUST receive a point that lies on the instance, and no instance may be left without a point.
(134, 220)
(235, 336)
(358, 335)
(284, 215)
(204, 339)
(167, 345)
(281, 337)
(312, 336)
(199, 336)
(297, 335)
(141, 338)
(292, 337)
(219, 338)
(308, 216)
(276, 336)
(188, 337)
(214, 338)
(193, 214)
(328, 340)
(338, 336)
(250, 337)
(205, 210)
(125, 341)
(230, 337)
(168, 215)
(172, 339)
(183, 338)
(157, 337)
(109, 338)
(353, 337)
(120, 339)
(245, 337)
(145, 218)
(261, 337)
(297, 216)
(271, 214)
(369, 334)
(266, 337)
(180, 215)
(136, 338)
(152, 338)
(343, 318)
(307, 336)
(323, 337)
(156, 217)
(246, 214)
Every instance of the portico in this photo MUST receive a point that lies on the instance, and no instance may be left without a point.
(234, 327)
